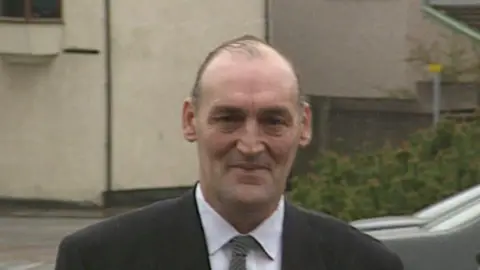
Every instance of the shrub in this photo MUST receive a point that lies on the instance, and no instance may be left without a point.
(429, 166)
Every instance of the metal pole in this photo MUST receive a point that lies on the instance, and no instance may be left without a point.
(436, 96)
(436, 69)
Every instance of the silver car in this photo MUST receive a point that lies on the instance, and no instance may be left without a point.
(450, 242)
(422, 217)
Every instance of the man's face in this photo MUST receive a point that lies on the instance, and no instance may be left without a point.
(248, 125)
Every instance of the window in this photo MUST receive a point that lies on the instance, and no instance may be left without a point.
(462, 217)
(450, 204)
(31, 10)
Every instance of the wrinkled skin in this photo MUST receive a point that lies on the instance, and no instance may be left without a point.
(248, 124)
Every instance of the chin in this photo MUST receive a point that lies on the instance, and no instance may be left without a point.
(249, 187)
(251, 194)
(250, 178)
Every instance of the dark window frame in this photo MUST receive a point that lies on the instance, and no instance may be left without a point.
(28, 14)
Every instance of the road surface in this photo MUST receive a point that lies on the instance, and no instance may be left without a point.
(31, 243)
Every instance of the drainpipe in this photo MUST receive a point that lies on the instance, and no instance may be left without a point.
(108, 102)
(267, 26)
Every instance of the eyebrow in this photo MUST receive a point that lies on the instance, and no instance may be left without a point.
(278, 110)
(226, 109)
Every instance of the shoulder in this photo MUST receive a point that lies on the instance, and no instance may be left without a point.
(122, 230)
(350, 247)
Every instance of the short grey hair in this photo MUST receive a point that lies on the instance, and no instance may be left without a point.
(247, 44)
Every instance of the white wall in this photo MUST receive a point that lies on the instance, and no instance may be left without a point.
(52, 117)
(344, 48)
(155, 60)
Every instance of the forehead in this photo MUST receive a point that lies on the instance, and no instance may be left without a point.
(235, 79)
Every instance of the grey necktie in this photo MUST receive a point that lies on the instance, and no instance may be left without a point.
(240, 246)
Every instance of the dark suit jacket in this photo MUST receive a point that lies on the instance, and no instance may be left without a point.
(168, 235)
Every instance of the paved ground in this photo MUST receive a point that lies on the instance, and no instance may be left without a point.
(31, 243)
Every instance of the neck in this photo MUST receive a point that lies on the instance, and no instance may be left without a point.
(246, 218)
(243, 217)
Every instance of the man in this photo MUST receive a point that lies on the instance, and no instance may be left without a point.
(248, 117)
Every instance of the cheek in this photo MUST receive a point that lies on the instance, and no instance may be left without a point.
(217, 145)
(282, 149)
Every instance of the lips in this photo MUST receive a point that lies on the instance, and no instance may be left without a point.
(250, 167)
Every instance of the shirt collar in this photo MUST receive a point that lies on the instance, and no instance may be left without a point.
(218, 231)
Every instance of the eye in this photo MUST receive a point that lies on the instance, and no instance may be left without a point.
(274, 121)
(278, 121)
(230, 118)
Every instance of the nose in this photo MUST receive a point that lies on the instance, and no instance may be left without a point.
(250, 142)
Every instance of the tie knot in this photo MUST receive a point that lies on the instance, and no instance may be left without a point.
(241, 244)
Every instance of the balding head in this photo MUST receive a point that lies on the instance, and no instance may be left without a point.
(244, 48)
(248, 126)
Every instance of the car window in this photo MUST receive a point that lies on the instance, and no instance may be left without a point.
(458, 218)
(450, 203)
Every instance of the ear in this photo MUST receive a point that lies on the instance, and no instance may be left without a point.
(306, 125)
(188, 121)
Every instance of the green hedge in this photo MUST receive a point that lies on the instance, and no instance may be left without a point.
(429, 166)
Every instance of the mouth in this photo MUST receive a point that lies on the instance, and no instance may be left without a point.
(249, 167)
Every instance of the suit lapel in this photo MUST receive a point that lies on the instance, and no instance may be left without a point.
(301, 244)
(190, 244)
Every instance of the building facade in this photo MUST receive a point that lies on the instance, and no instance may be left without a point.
(348, 48)
(91, 91)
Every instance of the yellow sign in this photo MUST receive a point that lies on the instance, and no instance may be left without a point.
(435, 68)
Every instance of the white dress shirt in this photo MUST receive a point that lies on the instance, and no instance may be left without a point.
(218, 233)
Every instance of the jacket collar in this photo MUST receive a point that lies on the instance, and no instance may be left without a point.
(301, 244)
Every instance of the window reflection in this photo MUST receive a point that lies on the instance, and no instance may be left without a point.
(30, 9)
(12, 8)
(45, 8)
